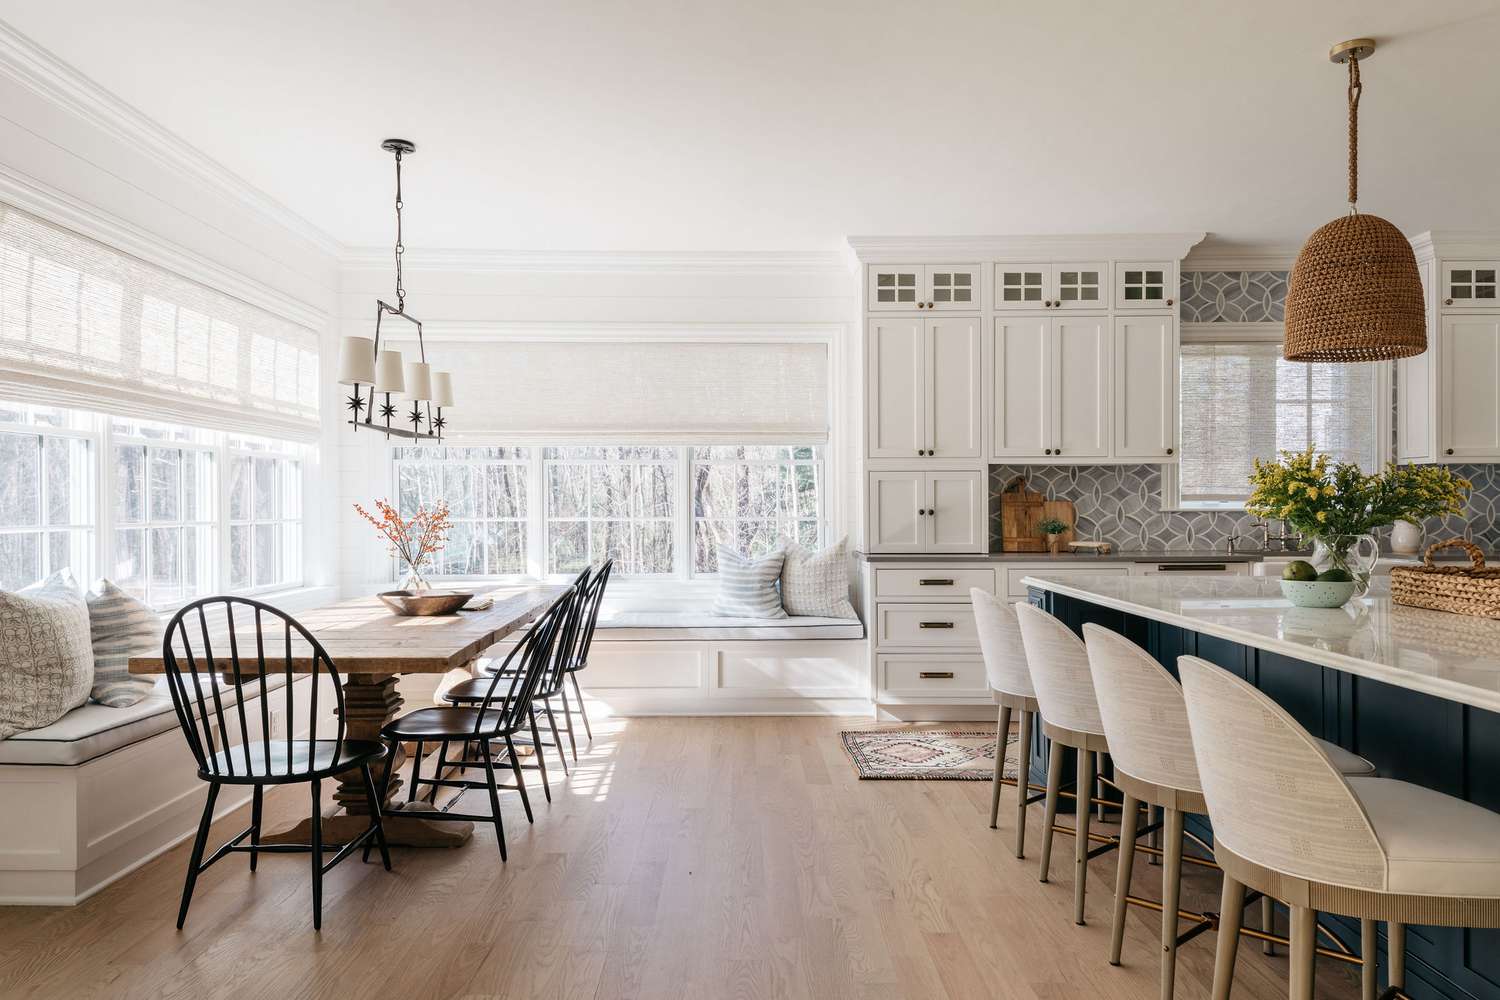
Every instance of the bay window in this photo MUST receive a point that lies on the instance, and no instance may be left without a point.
(165, 531)
(265, 516)
(487, 491)
(47, 491)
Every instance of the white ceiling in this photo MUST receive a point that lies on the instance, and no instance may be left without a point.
(786, 125)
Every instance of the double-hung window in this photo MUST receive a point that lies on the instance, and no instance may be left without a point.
(751, 497)
(611, 502)
(265, 515)
(47, 495)
(164, 511)
(487, 491)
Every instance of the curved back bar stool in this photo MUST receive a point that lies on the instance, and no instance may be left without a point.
(1010, 686)
(1059, 666)
(1151, 747)
(1287, 824)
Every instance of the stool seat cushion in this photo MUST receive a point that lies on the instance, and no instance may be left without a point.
(1347, 762)
(1435, 844)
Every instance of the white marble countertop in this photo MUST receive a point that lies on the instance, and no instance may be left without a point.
(1456, 657)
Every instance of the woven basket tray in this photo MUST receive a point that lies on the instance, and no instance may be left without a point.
(1462, 590)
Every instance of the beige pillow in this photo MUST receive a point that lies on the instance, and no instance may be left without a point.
(46, 658)
(817, 583)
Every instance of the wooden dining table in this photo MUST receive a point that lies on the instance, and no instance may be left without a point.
(371, 647)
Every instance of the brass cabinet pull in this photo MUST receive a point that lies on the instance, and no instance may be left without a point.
(934, 624)
(934, 583)
(1191, 567)
(936, 675)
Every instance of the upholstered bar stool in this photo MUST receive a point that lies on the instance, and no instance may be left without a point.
(1145, 720)
(1010, 685)
(1287, 824)
(1059, 667)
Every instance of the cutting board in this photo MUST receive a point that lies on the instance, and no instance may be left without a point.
(1020, 513)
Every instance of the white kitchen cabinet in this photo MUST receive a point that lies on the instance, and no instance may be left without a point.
(1080, 387)
(1470, 284)
(1023, 285)
(1049, 388)
(1082, 285)
(1051, 285)
(1145, 387)
(928, 512)
(1469, 400)
(1145, 284)
(921, 287)
(925, 379)
(1020, 383)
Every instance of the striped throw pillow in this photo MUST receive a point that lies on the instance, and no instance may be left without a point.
(120, 626)
(817, 583)
(747, 586)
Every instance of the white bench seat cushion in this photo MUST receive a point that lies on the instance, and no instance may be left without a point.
(694, 625)
(1435, 844)
(93, 730)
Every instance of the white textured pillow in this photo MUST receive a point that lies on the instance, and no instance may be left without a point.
(46, 661)
(120, 627)
(747, 586)
(817, 583)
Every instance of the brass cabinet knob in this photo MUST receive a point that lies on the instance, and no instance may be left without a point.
(1169, 451)
(1169, 302)
(1447, 302)
(929, 305)
(1448, 452)
(921, 305)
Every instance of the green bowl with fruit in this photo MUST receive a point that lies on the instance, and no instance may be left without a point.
(1305, 587)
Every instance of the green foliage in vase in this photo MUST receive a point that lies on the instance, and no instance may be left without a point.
(1318, 497)
(1052, 526)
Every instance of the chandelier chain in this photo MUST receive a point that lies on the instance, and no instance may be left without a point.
(400, 247)
(1355, 89)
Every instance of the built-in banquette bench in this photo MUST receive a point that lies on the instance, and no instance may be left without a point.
(103, 790)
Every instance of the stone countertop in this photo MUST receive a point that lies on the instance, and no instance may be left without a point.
(1073, 558)
(1456, 657)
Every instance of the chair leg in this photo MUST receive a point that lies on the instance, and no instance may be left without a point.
(1304, 938)
(196, 857)
(317, 853)
(255, 808)
(441, 763)
(515, 767)
(1128, 825)
(1268, 922)
(1002, 735)
(1049, 816)
(1082, 814)
(541, 762)
(1231, 913)
(562, 692)
(1171, 894)
(556, 736)
(1023, 781)
(385, 785)
(1367, 949)
(416, 772)
(582, 708)
(489, 775)
(1395, 953)
(376, 821)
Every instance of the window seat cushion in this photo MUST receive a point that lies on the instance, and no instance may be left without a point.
(616, 626)
(93, 730)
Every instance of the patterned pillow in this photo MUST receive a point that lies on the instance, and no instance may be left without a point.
(817, 583)
(121, 626)
(46, 662)
(747, 586)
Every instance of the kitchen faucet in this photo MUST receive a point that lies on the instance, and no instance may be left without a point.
(1289, 542)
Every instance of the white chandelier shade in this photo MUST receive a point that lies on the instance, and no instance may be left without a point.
(388, 375)
(442, 389)
(356, 361)
(419, 381)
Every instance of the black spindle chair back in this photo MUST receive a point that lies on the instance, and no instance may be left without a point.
(524, 668)
(202, 675)
(570, 629)
(592, 601)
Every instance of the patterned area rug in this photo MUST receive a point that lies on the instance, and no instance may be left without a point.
(930, 754)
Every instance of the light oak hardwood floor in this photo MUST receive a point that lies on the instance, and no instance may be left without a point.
(683, 858)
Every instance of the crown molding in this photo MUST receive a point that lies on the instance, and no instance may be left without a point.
(585, 261)
(1457, 243)
(60, 209)
(39, 71)
(1219, 254)
(529, 332)
(936, 249)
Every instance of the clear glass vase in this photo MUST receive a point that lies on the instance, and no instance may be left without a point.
(1354, 554)
(413, 580)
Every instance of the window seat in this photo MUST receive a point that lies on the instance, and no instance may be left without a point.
(697, 625)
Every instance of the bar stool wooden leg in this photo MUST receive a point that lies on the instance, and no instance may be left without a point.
(1023, 780)
(1268, 923)
(1304, 938)
(1128, 820)
(1231, 913)
(1082, 814)
(1171, 892)
(1395, 951)
(1002, 733)
(1049, 816)
(1367, 959)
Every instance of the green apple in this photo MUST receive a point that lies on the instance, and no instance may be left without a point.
(1299, 569)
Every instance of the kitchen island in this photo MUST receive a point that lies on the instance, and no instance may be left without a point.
(1415, 691)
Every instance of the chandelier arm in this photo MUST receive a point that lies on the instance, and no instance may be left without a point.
(1355, 89)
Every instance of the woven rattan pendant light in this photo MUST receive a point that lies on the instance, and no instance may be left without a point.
(1355, 294)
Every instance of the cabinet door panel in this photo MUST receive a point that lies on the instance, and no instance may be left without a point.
(1145, 387)
(1020, 387)
(894, 524)
(1080, 285)
(896, 359)
(960, 507)
(1080, 382)
(1023, 285)
(1470, 402)
(1471, 284)
(955, 369)
(953, 287)
(1145, 284)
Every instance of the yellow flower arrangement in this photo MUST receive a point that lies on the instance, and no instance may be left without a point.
(1317, 497)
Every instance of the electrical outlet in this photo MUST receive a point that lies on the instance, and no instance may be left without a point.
(277, 721)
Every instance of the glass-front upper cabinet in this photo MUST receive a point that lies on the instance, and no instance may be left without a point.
(1470, 284)
(1052, 285)
(1080, 285)
(1145, 285)
(923, 287)
(1023, 285)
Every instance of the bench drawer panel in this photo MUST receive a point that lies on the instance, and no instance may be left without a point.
(939, 626)
(927, 679)
(932, 583)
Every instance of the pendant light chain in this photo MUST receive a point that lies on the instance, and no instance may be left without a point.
(1355, 88)
(400, 247)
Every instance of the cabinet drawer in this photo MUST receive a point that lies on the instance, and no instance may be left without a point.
(931, 678)
(929, 583)
(1016, 590)
(941, 626)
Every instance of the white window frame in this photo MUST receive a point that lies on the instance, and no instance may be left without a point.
(527, 464)
(213, 577)
(235, 448)
(818, 465)
(671, 462)
(93, 439)
(1272, 333)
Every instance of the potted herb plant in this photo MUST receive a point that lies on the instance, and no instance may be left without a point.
(1052, 529)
